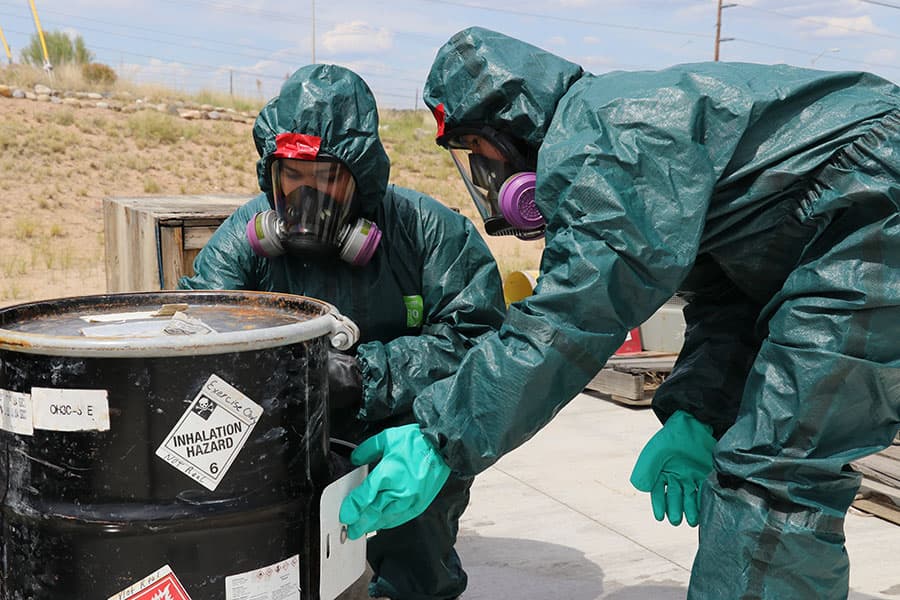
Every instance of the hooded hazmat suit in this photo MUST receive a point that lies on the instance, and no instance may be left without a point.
(429, 292)
(769, 196)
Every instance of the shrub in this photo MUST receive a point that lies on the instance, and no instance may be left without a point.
(149, 128)
(98, 73)
(62, 49)
(63, 117)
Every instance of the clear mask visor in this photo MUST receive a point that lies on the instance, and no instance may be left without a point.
(486, 161)
(483, 175)
(314, 200)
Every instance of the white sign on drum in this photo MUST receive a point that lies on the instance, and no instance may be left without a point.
(15, 412)
(57, 409)
(211, 432)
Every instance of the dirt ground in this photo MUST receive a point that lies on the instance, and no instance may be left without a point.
(58, 163)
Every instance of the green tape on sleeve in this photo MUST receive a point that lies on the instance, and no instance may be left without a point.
(415, 310)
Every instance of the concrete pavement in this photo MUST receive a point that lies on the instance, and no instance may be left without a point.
(557, 519)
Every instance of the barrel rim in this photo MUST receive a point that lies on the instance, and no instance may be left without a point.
(206, 344)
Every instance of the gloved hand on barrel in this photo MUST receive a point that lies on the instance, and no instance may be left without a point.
(409, 474)
(672, 467)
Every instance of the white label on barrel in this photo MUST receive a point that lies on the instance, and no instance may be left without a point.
(280, 581)
(210, 433)
(15, 412)
(159, 585)
(70, 410)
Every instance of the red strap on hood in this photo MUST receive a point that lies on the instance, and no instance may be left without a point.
(297, 145)
(439, 117)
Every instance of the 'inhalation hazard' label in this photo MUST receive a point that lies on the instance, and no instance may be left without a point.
(210, 433)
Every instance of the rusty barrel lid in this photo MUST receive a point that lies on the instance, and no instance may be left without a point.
(176, 323)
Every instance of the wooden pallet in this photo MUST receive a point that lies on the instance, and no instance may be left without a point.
(879, 493)
(632, 379)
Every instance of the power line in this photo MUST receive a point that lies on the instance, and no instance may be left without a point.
(569, 19)
(229, 8)
(238, 8)
(164, 40)
(881, 3)
(267, 54)
(808, 53)
(211, 70)
(284, 17)
(281, 17)
(180, 63)
(819, 21)
(136, 28)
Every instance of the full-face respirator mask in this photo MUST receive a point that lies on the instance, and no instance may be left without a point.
(314, 215)
(500, 180)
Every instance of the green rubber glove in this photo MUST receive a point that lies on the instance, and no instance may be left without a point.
(408, 476)
(672, 467)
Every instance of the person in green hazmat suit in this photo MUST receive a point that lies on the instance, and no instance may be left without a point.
(769, 197)
(415, 276)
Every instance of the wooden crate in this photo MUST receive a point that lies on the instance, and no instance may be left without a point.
(879, 493)
(152, 241)
(632, 379)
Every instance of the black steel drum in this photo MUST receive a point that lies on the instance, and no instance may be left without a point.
(141, 438)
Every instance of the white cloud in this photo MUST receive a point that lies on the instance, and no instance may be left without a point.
(834, 6)
(357, 36)
(843, 26)
(599, 64)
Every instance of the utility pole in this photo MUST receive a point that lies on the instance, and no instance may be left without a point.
(5, 46)
(37, 23)
(313, 31)
(719, 28)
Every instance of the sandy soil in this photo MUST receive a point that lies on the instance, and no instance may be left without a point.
(51, 222)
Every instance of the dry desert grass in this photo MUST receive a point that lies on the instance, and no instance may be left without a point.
(58, 163)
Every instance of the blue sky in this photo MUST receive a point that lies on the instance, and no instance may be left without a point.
(249, 46)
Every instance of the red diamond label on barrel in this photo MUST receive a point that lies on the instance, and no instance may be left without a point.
(160, 585)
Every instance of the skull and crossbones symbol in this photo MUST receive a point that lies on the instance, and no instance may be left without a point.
(204, 407)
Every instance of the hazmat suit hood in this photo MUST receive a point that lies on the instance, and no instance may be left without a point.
(314, 101)
(481, 77)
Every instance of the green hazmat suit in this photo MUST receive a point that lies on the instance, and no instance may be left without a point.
(430, 292)
(768, 196)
